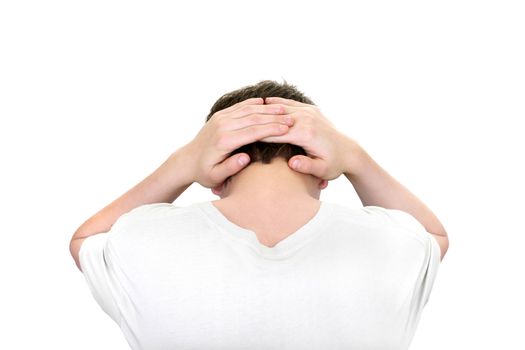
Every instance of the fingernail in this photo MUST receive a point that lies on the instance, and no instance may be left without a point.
(295, 164)
(288, 120)
(243, 160)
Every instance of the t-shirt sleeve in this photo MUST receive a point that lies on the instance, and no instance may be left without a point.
(432, 257)
(99, 260)
(432, 251)
(97, 268)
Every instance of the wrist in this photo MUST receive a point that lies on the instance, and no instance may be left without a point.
(355, 158)
(181, 165)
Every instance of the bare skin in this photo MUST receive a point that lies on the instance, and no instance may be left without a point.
(206, 160)
(279, 204)
(330, 153)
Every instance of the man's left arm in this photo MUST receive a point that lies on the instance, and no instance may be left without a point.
(164, 185)
(206, 159)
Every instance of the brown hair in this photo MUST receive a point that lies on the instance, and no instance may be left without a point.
(263, 151)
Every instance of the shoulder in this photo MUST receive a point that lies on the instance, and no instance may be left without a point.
(149, 222)
(396, 223)
(151, 210)
(147, 212)
(435, 244)
(371, 216)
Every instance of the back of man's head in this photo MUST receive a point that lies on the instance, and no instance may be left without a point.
(263, 151)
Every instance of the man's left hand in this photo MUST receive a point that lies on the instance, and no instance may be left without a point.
(243, 123)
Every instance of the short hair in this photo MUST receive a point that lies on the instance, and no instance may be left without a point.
(263, 151)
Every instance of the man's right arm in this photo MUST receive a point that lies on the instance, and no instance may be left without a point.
(375, 186)
(330, 153)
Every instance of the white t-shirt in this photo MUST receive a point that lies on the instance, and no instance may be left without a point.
(188, 278)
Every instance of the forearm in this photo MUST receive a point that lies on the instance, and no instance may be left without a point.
(375, 186)
(164, 185)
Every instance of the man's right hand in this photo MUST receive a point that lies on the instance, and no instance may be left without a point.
(329, 152)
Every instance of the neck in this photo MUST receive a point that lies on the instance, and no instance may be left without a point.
(267, 183)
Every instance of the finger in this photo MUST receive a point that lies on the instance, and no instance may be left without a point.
(256, 132)
(246, 110)
(250, 101)
(260, 119)
(230, 166)
(287, 137)
(293, 136)
(286, 101)
(307, 165)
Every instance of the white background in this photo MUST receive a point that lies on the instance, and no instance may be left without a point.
(95, 95)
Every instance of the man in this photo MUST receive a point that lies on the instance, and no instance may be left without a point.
(268, 265)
